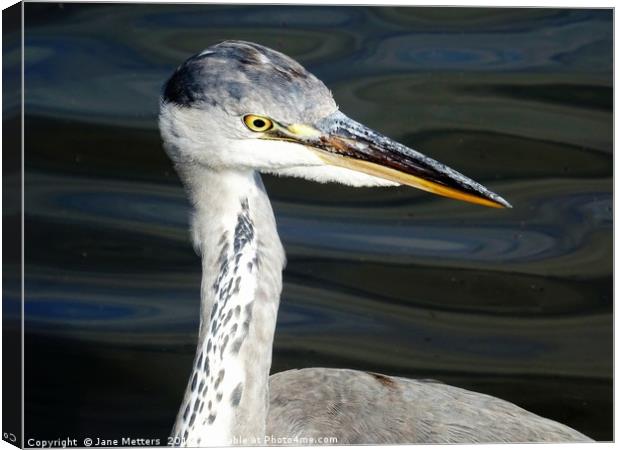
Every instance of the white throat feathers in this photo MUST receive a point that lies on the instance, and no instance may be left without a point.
(233, 227)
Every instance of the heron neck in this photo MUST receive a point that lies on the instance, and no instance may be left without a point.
(234, 229)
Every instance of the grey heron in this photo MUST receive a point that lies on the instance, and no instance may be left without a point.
(226, 114)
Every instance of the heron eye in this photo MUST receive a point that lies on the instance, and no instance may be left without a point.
(257, 123)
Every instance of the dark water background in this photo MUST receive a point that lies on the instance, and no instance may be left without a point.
(516, 303)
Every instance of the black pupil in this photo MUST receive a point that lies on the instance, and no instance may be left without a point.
(259, 123)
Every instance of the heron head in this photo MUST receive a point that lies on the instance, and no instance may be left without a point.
(239, 105)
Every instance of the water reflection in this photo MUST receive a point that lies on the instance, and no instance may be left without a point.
(513, 303)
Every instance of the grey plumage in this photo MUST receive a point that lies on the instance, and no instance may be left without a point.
(367, 408)
(242, 76)
(227, 113)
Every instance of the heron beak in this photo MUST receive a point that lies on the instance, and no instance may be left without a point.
(341, 141)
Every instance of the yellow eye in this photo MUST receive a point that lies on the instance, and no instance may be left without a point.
(257, 123)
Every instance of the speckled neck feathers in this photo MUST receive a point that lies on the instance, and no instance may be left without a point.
(233, 228)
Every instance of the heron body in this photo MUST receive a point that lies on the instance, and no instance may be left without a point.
(238, 109)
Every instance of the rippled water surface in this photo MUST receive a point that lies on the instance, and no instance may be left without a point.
(514, 303)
